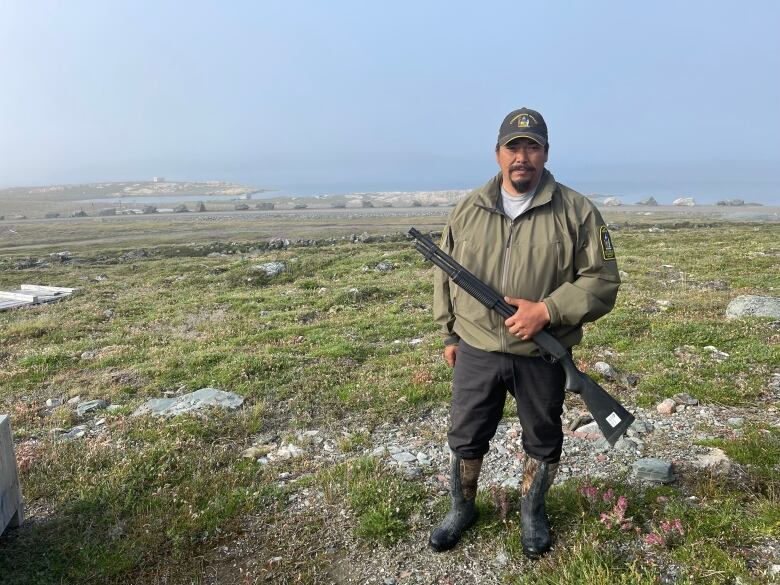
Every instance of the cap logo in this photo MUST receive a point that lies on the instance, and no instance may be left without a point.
(524, 120)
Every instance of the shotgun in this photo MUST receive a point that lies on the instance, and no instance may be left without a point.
(613, 420)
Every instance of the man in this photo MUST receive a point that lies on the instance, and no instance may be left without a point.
(547, 248)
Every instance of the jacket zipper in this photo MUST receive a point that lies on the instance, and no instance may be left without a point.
(507, 255)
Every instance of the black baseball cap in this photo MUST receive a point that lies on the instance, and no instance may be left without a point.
(523, 123)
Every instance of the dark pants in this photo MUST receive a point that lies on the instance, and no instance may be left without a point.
(480, 383)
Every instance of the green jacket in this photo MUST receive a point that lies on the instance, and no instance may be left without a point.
(558, 251)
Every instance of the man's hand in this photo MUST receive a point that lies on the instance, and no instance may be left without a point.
(531, 317)
(449, 354)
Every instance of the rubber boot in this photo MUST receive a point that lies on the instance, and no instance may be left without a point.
(537, 479)
(464, 474)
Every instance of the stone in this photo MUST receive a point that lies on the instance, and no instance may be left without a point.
(667, 406)
(753, 306)
(714, 460)
(90, 405)
(606, 370)
(591, 427)
(256, 451)
(736, 422)
(53, 402)
(404, 457)
(194, 401)
(685, 398)
(653, 470)
(716, 354)
(684, 202)
(278, 243)
(647, 201)
(385, 266)
(640, 427)
(74, 400)
(612, 202)
(270, 268)
(417, 341)
(74, 433)
(288, 451)
(580, 421)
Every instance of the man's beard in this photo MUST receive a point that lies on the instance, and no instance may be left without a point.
(522, 186)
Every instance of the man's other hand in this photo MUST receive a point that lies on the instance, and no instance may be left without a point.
(531, 317)
(449, 354)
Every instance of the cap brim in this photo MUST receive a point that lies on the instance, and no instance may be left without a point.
(538, 138)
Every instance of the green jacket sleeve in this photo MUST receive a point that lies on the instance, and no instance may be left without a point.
(593, 292)
(443, 312)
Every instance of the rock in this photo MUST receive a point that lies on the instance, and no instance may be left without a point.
(404, 457)
(716, 354)
(606, 370)
(632, 380)
(88, 355)
(612, 202)
(385, 266)
(416, 341)
(626, 445)
(90, 405)
(714, 460)
(591, 427)
(256, 451)
(74, 400)
(579, 421)
(654, 470)
(198, 400)
(270, 268)
(655, 230)
(753, 306)
(639, 427)
(667, 406)
(278, 243)
(108, 313)
(623, 275)
(74, 433)
(684, 202)
(731, 202)
(685, 398)
(647, 201)
(53, 402)
(285, 452)
(735, 422)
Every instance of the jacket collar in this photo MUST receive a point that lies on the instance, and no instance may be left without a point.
(489, 195)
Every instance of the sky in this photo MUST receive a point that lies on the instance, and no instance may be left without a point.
(309, 97)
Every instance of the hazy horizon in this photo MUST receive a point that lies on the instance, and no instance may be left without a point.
(668, 99)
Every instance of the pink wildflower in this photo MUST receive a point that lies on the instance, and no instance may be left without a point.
(590, 492)
(655, 539)
(608, 495)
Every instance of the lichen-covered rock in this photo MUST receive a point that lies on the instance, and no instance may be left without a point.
(753, 306)
(198, 400)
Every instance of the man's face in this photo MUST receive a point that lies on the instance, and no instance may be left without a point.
(522, 162)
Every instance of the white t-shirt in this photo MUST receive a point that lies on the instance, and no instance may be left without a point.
(514, 205)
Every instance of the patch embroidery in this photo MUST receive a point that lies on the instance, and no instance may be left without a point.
(524, 120)
(607, 251)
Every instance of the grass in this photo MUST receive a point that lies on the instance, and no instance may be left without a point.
(326, 345)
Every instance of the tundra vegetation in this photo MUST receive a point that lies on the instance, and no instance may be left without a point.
(315, 347)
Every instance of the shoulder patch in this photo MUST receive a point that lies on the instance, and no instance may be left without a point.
(607, 251)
